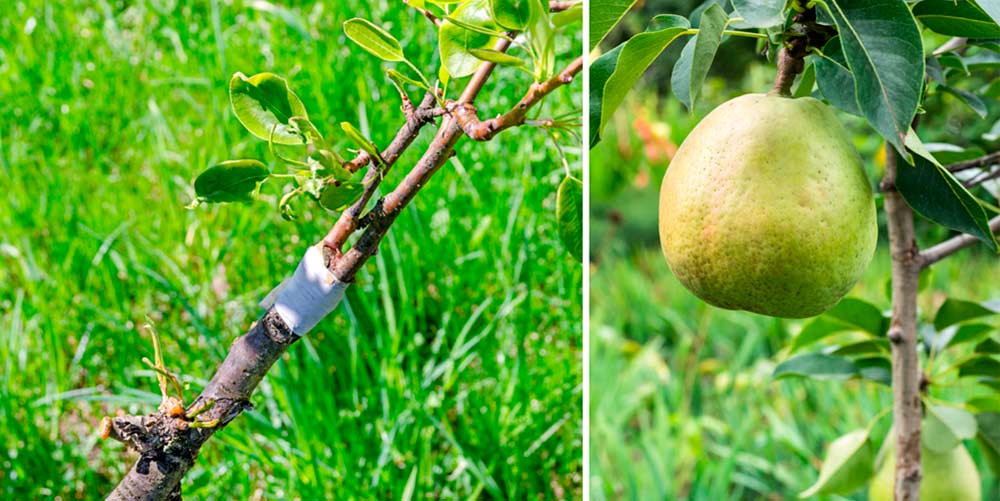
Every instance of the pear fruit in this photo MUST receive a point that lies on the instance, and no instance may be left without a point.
(766, 208)
(949, 476)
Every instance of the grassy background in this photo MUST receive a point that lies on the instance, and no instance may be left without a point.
(682, 401)
(453, 368)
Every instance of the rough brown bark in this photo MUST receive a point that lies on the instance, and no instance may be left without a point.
(902, 334)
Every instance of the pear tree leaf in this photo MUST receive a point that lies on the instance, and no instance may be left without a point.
(604, 15)
(569, 214)
(848, 465)
(230, 181)
(884, 51)
(877, 369)
(263, 103)
(374, 39)
(455, 42)
(955, 335)
(498, 57)
(960, 18)
(339, 196)
(760, 13)
(934, 192)
(361, 141)
(511, 14)
(849, 314)
(946, 427)
(984, 366)
(989, 438)
(614, 73)
(834, 78)
(691, 69)
(816, 366)
(954, 311)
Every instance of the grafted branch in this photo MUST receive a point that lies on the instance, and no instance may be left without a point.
(168, 441)
(484, 130)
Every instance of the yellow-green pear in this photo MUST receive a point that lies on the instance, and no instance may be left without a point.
(949, 476)
(766, 208)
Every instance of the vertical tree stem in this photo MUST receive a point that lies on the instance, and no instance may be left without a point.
(903, 335)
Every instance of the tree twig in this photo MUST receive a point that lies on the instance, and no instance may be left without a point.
(983, 161)
(954, 244)
(484, 130)
(903, 335)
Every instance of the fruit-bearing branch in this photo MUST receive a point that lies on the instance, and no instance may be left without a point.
(169, 440)
(954, 244)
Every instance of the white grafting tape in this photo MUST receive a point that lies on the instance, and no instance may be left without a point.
(309, 295)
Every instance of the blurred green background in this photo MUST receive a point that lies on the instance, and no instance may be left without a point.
(452, 370)
(682, 403)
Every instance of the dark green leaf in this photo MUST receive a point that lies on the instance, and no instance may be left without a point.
(339, 196)
(816, 366)
(604, 15)
(569, 214)
(760, 13)
(961, 334)
(835, 80)
(374, 39)
(935, 193)
(613, 74)
(877, 369)
(989, 438)
(970, 99)
(867, 347)
(848, 465)
(263, 103)
(954, 311)
(454, 41)
(230, 181)
(806, 82)
(980, 366)
(817, 329)
(691, 69)
(989, 347)
(849, 314)
(958, 19)
(511, 14)
(884, 52)
(600, 70)
(949, 153)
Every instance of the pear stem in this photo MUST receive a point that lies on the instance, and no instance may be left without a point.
(789, 67)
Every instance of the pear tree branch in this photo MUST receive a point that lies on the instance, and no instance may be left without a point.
(954, 244)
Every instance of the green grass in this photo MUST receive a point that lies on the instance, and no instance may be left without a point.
(453, 368)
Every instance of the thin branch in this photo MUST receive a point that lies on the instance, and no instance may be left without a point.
(902, 335)
(484, 130)
(944, 249)
(983, 161)
(982, 178)
(348, 222)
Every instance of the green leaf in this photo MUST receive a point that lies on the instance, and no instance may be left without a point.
(869, 346)
(263, 103)
(849, 464)
(691, 69)
(760, 13)
(604, 15)
(884, 52)
(849, 314)
(988, 347)
(949, 153)
(816, 366)
(339, 196)
(935, 193)
(511, 14)
(806, 82)
(230, 181)
(360, 140)
(962, 334)
(989, 438)
(455, 42)
(569, 215)
(613, 74)
(374, 39)
(402, 79)
(971, 100)
(498, 57)
(877, 369)
(835, 80)
(954, 311)
(985, 366)
(574, 14)
(946, 427)
(957, 19)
